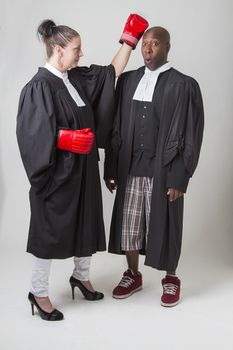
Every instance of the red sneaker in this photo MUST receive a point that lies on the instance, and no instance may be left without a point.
(129, 284)
(171, 291)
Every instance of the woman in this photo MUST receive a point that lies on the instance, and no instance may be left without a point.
(65, 113)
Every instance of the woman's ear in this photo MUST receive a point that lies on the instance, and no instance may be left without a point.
(58, 50)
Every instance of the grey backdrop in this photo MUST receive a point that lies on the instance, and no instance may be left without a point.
(201, 46)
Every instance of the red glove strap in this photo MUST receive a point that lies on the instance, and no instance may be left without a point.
(134, 29)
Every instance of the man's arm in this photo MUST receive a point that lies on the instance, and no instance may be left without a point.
(184, 164)
(113, 143)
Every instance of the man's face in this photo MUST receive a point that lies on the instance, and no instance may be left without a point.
(154, 50)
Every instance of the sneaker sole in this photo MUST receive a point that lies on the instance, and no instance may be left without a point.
(170, 305)
(126, 295)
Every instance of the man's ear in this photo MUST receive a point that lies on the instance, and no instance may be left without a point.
(168, 47)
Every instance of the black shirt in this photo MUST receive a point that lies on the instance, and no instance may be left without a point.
(145, 139)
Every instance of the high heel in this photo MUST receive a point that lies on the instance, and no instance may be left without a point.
(92, 296)
(55, 315)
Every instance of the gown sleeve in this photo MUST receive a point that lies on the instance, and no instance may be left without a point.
(36, 132)
(189, 136)
(98, 83)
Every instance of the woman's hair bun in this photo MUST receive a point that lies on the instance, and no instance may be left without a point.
(45, 29)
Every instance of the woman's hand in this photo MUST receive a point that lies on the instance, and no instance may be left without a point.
(133, 31)
(76, 141)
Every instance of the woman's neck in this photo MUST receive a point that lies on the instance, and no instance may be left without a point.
(56, 64)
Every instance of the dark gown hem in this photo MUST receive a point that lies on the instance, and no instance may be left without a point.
(121, 252)
(161, 267)
(66, 256)
(154, 266)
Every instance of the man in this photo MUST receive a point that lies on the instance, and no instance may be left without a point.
(153, 152)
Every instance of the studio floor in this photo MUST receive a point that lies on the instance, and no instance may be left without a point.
(203, 319)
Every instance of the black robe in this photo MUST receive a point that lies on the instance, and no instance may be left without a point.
(65, 195)
(177, 102)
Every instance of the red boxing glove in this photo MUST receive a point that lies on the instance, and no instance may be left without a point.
(134, 29)
(76, 141)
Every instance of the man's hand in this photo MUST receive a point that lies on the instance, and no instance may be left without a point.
(111, 184)
(173, 194)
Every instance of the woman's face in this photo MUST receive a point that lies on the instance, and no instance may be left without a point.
(71, 54)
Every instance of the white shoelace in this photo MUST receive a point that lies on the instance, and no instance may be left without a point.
(170, 288)
(126, 281)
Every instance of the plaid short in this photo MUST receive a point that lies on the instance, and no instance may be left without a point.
(136, 212)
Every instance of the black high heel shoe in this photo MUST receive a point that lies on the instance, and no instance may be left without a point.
(55, 315)
(92, 296)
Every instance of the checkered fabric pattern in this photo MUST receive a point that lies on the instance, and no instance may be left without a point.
(136, 212)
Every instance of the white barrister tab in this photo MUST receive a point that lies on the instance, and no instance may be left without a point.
(64, 76)
(146, 86)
